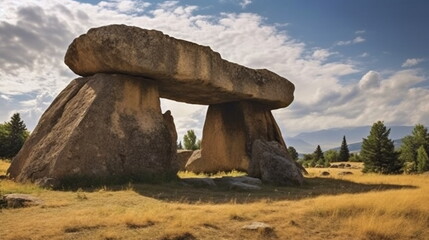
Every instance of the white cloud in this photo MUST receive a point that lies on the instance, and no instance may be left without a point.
(321, 54)
(124, 6)
(360, 32)
(411, 62)
(5, 97)
(244, 3)
(34, 36)
(365, 54)
(370, 80)
(356, 40)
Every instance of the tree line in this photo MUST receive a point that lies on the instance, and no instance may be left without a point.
(378, 152)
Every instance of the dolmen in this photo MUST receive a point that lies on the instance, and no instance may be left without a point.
(107, 126)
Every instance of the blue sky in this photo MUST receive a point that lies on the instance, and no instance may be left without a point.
(353, 62)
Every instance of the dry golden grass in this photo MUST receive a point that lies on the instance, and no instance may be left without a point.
(354, 206)
(3, 166)
(186, 174)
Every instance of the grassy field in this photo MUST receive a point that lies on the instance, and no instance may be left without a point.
(353, 206)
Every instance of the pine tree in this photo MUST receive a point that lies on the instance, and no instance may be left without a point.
(293, 153)
(318, 156)
(12, 137)
(378, 153)
(422, 160)
(344, 151)
(410, 145)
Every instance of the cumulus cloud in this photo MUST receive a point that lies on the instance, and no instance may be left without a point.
(394, 98)
(34, 36)
(411, 62)
(370, 80)
(360, 32)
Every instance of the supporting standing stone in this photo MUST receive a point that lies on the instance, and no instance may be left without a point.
(104, 129)
(229, 133)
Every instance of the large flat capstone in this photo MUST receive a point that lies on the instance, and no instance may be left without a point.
(184, 71)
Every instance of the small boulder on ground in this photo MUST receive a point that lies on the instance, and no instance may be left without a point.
(199, 182)
(324, 173)
(265, 231)
(241, 179)
(16, 200)
(243, 186)
(344, 173)
(256, 226)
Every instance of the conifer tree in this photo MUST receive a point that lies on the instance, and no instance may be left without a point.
(293, 153)
(12, 136)
(422, 160)
(318, 156)
(378, 153)
(344, 151)
(411, 144)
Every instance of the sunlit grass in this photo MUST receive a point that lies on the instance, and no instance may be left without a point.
(4, 165)
(357, 206)
(186, 174)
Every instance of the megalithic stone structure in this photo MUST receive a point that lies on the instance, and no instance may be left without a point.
(108, 125)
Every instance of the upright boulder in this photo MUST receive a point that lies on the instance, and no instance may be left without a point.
(104, 128)
(271, 163)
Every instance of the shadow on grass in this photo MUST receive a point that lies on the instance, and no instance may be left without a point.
(313, 187)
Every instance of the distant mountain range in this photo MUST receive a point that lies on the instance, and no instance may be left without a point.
(331, 138)
(355, 147)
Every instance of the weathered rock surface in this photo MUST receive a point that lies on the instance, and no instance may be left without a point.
(16, 200)
(199, 182)
(103, 128)
(229, 132)
(241, 179)
(182, 157)
(184, 71)
(243, 183)
(243, 186)
(271, 163)
(195, 163)
(254, 226)
(239, 183)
